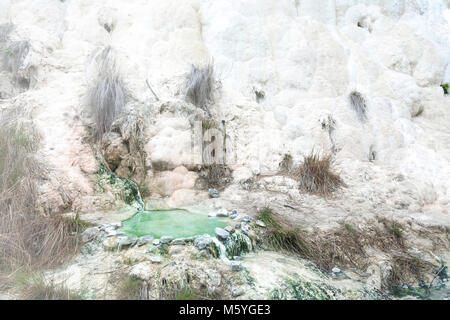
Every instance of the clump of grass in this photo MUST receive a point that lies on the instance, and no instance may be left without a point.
(345, 247)
(407, 269)
(445, 87)
(280, 236)
(27, 238)
(200, 86)
(316, 176)
(209, 124)
(37, 288)
(130, 288)
(36, 241)
(394, 228)
(80, 223)
(358, 104)
(109, 95)
(349, 228)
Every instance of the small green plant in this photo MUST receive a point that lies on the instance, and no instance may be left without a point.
(445, 87)
(394, 228)
(164, 250)
(349, 228)
(82, 224)
(209, 124)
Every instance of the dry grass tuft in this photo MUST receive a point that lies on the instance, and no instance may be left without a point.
(315, 175)
(109, 95)
(200, 86)
(37, 288)
(358, 104)
(346, 247)
(27, 239)
(405, 268)
(281, 236)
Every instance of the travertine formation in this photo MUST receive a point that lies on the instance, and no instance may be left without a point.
(285, 73)
(357, 79)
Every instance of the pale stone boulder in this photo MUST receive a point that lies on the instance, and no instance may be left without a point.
(186, 197)
(167, 182)
(169, 145)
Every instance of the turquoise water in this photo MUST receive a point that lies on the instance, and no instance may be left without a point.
(177, 223)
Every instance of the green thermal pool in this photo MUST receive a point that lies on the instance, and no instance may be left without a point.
(177, 223)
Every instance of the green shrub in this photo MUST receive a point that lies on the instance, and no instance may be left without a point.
(445, 87)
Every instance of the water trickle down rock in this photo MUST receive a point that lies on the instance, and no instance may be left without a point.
(237, 244)
(124, 188)
(221, 249)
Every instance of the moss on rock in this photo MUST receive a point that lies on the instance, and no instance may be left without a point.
(122, 188)
(299, 289)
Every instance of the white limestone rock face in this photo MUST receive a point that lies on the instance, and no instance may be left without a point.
(166, 183)
(170, 143)
(306, 56)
